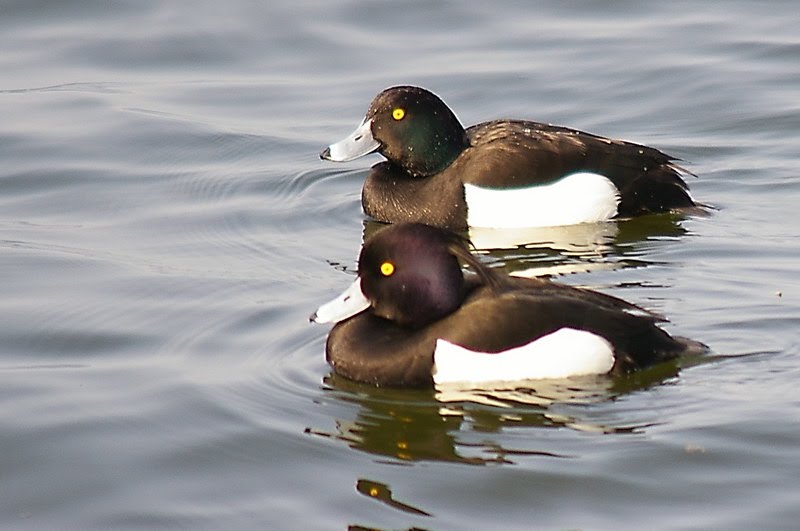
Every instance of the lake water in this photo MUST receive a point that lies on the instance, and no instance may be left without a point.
(166, 228)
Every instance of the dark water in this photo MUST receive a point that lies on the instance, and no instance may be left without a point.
(166, 228)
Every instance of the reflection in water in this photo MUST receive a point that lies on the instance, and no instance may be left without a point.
(586, 238)
(451, 424)
(575, 248)
(382, 492)
(441, 424)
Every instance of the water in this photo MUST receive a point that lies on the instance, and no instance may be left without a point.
(166, 228)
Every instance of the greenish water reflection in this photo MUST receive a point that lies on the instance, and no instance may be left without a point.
(451, 424)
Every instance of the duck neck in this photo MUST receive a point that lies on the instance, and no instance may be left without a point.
(432, 150)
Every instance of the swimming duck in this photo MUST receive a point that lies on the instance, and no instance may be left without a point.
(412, 318)
(501, 173)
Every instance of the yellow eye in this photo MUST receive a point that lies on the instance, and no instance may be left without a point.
(399, 113)
(387, 268)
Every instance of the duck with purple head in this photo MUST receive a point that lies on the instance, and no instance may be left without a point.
(412, 318)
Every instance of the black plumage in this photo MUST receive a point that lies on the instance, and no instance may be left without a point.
(430, 156)
(427, 297)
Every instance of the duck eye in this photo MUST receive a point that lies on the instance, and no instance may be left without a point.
(387, 269)
(398, 113)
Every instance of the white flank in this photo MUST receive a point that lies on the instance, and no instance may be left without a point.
(578, 198)
(561, 354)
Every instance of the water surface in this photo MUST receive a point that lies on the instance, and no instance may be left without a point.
(166, 227)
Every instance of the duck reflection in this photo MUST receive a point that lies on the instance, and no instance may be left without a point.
(452, 423)
(549, 251)
(383, 493)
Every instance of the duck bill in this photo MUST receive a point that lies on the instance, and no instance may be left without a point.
(348, 304)
(359, 143)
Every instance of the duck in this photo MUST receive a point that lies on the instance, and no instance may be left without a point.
(502, 173)
(413, 318)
